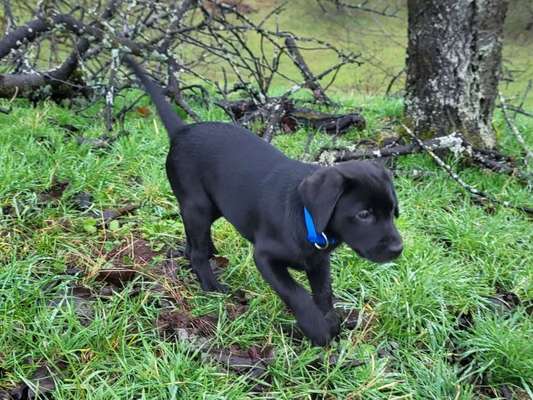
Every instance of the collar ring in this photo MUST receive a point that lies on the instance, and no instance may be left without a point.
(325, 246)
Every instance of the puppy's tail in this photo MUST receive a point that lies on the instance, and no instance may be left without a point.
(170, 119)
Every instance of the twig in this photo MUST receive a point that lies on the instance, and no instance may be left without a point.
(110, 92)
(393, 80)
(517, 110)
(478, 194)
(362, 7)
(10, 19)
(275, 114)
(323, 74)
(515, 131)
(311, 81)
(524, 97)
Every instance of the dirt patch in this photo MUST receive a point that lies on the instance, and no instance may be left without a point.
(131, 253)
(54, 192)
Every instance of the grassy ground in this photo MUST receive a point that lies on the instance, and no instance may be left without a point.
(451, 319)
(443, 322)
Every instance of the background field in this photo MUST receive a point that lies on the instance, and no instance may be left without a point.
(451, 319)
(381, 42)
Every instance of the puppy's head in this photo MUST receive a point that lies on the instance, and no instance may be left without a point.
(356, 202)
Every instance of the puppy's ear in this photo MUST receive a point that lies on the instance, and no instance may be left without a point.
(320, 193)
(390, 174)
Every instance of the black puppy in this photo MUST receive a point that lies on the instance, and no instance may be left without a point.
(294, 213)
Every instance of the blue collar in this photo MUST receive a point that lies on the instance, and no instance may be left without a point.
(320, 240)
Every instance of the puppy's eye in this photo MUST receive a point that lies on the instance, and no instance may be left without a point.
(364, 214)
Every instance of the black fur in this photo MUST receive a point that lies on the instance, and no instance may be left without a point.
(222, 170)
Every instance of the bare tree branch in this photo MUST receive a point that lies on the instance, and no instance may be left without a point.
(310, 80)
(478, 194)
(516, 132)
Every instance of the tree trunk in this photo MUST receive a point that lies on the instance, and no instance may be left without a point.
(453, 67)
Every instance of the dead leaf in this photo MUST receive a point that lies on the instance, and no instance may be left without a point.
(70, 128)
(335, 361)
(169, 269)
(116, 276)
(82, 201)
(176, 324)
(136, 252)
(503, 302)
(219, 262)
(54, 192)
(239, 306)
(350, 318)
(180, 325)
(112, 214)
(101, 142)
(7, 210)
(253, 361)
(42, 380)
(288, 124)
(143, 111)
(205, 325)
(168, 323)
(80, 299)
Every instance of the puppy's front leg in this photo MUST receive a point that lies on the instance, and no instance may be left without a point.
(310, 319)
(320, 280)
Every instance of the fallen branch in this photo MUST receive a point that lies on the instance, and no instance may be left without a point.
(21, 35)
(330, 156)
(275, 112)
(456, 143)
(333, 124)
(477, 194)
(61, 85)
(84, 43)
(281, 113)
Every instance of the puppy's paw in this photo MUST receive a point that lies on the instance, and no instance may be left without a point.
(316, 328)
(221, 288)
(334, 322)
(213, 286)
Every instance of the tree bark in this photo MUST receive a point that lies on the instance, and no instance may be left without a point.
(453, 67)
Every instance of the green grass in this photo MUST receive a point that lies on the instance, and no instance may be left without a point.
(457, 254)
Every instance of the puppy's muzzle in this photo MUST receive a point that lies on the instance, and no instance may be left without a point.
(385, 252)
(394, 250)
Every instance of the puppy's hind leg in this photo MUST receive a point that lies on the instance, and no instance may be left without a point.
(197, 219)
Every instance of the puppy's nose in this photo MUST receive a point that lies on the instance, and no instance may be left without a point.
(396, 248)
